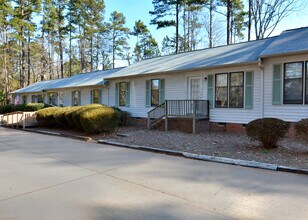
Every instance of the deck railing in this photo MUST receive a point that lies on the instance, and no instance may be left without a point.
(18, 119)
(195, 109)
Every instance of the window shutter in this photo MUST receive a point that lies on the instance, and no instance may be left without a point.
(116, 95)
(277, 84)
(100, 96)
(79, 97)
(249, 90)
(148, 94)
(127, 95)
(161, 91)
(73, 93)
(210, 90)
(91, 97)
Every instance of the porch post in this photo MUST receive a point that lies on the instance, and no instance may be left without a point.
(194, 116)
(149, 122)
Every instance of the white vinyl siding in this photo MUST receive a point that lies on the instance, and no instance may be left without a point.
(287, 112)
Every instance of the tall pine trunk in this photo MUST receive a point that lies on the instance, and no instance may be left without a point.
(29, 59)
(228, 21)
(211, 25)
(177, 27)
(249, 20)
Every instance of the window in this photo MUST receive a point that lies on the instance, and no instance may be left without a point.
(122, 93)
(40, 99)
(53, 98)
(236, 90)
(293, 83)
(76, 98)
(154, 92)
(24, 99)
(33, 98)
(95, 96)
(61, 98)
(221, 100)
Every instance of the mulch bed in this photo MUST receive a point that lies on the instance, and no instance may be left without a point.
(291, 151)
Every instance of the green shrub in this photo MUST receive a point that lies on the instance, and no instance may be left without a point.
(267, 130)
(45, 117)
(124, 117)
(70, 111)
(99, 119)
(18, 108)
(5, 109)
(59, 116)
(77, 114)
(33, 107)
(301, 129)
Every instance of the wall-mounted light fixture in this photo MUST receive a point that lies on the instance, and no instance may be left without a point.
(205, 78)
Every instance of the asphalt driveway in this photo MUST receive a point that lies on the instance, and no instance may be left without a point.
(46, 177)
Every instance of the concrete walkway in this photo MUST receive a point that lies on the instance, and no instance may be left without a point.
(46, 177)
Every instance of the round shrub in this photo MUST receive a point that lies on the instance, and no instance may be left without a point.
(18, 108)
(267, 130)
(301, 129)
(45, 117)
(99, 119)
(77, 114)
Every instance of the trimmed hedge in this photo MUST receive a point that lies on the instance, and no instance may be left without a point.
(99, 119)
(268, 131)
(46, 116)
(77, 114)
(31, 107)
(301, 129)
(90, 118)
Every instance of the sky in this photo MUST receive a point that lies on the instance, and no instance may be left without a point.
(134, 10)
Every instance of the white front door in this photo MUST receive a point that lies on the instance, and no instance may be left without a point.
(195, 88)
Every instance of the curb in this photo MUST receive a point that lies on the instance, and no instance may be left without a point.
(59, 134)
(244, 163)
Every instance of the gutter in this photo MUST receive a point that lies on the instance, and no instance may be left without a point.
(262, 85)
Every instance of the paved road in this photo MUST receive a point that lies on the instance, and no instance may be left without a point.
(46, 177)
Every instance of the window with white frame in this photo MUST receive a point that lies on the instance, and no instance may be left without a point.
(96, 96)
(76, 98)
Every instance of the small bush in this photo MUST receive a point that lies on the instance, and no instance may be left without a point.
(267, 130)
(99, 119)
(33, 107)
(124, 117)
(45, 117)
(19, 108)
(77, 114)
(301, 129)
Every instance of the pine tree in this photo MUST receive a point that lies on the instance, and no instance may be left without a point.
(163, 9)
(119, 35)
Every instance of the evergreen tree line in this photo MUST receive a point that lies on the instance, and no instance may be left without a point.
(51, 39)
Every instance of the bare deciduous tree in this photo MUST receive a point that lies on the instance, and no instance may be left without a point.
(267, 14)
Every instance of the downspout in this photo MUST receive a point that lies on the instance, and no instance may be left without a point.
(262, 86)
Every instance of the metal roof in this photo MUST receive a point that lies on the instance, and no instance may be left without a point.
(289, 41)
(246, 52)
(80, 80)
